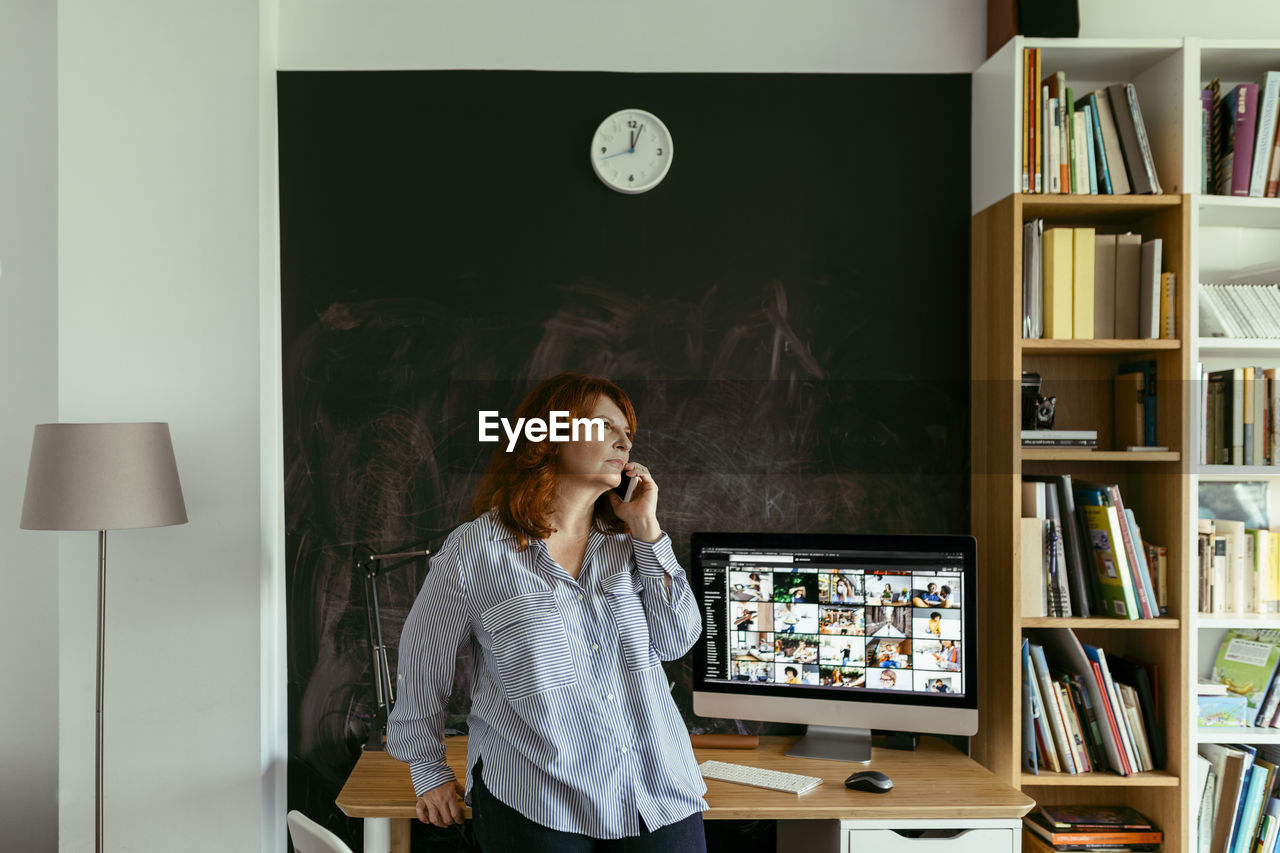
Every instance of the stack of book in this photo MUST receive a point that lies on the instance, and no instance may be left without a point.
(1082, 553)
(1093, 828)
(1096, 144)
(1239, 140)
(1239, 568)
(1077, 283)
(1238, 416)
(1236, 788)
(1084, 710)
(1240, 310)
(1245, 669)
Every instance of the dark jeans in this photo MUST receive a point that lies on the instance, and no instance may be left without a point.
(498, 828)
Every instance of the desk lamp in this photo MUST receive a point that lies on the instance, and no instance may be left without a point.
(102, 477)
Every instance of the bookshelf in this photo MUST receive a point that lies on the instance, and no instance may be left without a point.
(1228, 234)
(1156, 485)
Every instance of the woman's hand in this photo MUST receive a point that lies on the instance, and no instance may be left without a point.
(442, 805)
(641, 512)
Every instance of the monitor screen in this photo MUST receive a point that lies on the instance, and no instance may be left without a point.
(882, 619)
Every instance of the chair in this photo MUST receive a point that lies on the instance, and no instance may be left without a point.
(310, 837)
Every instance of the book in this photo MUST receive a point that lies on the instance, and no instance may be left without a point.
(1127, 119)
(1134, 673)
(1064, 649)
(1037, 824)
(1032, 313)
(1149, 288)
(1101, 818)
(1229, 765)
(1130, 409)
(1246, 663)
(1086, 141)
(1243, 100)
(1079, 558)
(1208, 788)
(1104, 286)
(1206, 144)
(1116, 168)
(1082, 295)
(1129, 699)
(1059, 437)
(1053, 705)
(1130, 561)
(1268, 95)
(1058, 247)
(1147, 367)
(1032, 544)
(1128, 277)
(1030, 713)
(1116, 586)
(1097, 151)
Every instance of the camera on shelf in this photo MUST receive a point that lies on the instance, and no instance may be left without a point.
(1037, 411)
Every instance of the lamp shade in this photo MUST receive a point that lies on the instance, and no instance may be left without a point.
(102, 477)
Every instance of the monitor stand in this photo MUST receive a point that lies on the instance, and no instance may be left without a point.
(834, 743)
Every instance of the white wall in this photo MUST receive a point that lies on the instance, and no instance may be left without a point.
(1228, 19)
(28, 387)
(904, 36)
(158, 249)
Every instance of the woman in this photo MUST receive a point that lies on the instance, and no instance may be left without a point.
(568, 600)
(844, 591)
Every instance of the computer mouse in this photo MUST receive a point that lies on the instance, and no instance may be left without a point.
(869, 780)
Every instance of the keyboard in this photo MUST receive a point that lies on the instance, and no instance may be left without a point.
(774, 780)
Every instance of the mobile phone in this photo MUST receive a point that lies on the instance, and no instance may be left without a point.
(626, 488)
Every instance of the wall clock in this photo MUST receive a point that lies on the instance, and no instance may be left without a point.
(631, 151)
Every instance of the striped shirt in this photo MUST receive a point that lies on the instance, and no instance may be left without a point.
(570, 707)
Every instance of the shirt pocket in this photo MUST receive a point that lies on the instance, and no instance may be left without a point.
(622, 595)
(529, 644)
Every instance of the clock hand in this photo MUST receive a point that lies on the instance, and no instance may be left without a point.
(619, 154)
(633, 140)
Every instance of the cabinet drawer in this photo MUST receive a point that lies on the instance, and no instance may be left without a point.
(931, 841)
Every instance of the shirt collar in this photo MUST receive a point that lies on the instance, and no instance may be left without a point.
(502, 533)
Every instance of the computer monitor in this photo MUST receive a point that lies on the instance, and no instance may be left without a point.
(844, 633)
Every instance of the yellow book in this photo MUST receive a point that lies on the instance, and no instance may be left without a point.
(1082, 283)
(1058, 251)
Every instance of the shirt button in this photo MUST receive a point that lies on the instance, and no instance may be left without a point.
(624, 749)
(610, 698)
(595, 647)
(579, 596)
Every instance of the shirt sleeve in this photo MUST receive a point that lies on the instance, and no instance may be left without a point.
(674, 621)
(435, 630)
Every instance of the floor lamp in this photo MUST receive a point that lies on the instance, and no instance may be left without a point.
(102, 477)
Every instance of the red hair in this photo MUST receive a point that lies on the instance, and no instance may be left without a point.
(520, 485)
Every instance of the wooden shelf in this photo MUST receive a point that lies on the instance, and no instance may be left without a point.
(1095, 208)
(1051, 346)
(1152, 779)
(1160, 624)
(1069, 454)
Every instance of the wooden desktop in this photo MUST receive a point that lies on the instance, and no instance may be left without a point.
(936, 790)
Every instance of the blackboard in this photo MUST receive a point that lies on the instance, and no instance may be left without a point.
(788, 311)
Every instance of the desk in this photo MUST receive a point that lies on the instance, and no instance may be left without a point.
(934, 788)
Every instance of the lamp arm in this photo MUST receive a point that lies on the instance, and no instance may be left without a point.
(372, 566)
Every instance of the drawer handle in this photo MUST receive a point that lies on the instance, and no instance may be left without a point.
(940, 834)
